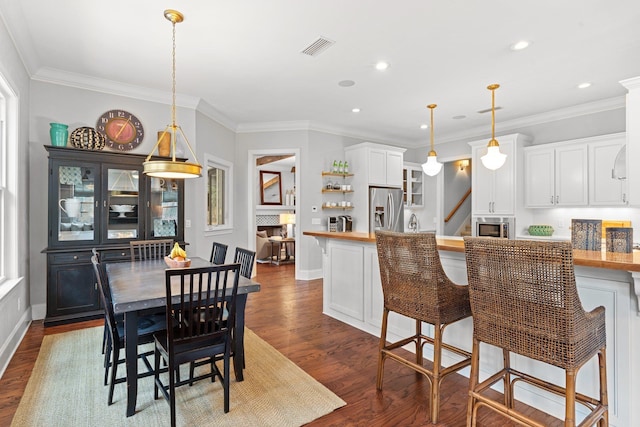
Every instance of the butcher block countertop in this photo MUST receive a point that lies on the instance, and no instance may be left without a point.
(597, 259)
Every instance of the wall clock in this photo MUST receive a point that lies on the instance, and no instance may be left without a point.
(122, 129)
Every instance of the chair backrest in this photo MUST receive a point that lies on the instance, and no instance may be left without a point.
(105, 295)
(202, 292)
(150, 249)
(524, 297)
(414, 283)
(218, 253)
(245, 258)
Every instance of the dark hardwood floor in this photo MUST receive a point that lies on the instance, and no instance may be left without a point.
(288, 314)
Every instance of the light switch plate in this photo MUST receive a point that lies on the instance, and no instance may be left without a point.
(187, 223)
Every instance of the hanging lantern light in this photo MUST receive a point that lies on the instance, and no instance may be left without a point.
(172, 168)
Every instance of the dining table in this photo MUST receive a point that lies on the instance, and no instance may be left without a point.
(138, 287)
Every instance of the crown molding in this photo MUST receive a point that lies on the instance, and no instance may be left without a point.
(81, 81)
(210, 111)
(632, 83)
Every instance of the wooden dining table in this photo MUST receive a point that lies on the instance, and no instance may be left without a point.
(137, 287)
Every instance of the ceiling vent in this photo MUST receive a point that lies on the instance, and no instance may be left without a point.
(488, 110)
(318, 46)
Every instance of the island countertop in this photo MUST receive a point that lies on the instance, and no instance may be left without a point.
(597, 259)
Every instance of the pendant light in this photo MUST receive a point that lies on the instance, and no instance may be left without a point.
(432, 167)
(494, 159)
(172, 168)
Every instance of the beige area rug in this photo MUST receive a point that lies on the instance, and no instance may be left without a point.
(65, 389)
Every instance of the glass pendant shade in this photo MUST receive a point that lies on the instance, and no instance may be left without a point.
(432, 167)
(172, 168)
(494, 159)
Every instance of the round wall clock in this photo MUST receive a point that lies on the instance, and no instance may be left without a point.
(122, 129)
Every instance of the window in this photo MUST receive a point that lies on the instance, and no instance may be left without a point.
(219, 175)
(8, 183)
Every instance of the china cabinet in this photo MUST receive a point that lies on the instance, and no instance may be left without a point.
(100, 200)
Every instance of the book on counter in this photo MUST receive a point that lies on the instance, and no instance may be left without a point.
(586, 234)
(619, 239)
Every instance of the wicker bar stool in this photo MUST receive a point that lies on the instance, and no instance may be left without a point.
(415, 285)
(524, 300)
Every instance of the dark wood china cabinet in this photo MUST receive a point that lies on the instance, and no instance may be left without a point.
(100, 199)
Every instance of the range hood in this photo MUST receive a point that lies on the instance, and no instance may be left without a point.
(619, 170)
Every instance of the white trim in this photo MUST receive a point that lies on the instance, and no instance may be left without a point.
(227, 228)
(10, 346)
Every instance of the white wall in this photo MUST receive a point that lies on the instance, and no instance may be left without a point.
(15, 310)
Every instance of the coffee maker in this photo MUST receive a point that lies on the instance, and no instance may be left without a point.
(345, 223)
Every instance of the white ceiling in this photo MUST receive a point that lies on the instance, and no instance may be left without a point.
(243, 58)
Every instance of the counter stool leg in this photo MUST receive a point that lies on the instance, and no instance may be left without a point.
(381, 355)
(508, 387)
(570, 409)
(473, 382)
(435, 382)
(604, 398)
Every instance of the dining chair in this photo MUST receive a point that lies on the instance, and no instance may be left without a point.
(150, 249)
(245, 258)
(218, 253)
(415, 285)
(524, 301)
(200, 330)
(147, 326)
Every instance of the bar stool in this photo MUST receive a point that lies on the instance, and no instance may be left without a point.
(524, 300)
(415, 285)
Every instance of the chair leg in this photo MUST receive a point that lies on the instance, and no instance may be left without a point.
(604, 397)
(570, 406)
(383, 342)
(225, 380)
(156, 372)
(114, 371)
(419, 356)
(107, 357)
(435, 381)
(473, 382)
(506, 378)
(172, 392)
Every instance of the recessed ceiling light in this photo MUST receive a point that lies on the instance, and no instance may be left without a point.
(522, 44)
(584, 85)
(459, 117)
(355, 110)
(382, 65)
(423, 126)
(346, 83)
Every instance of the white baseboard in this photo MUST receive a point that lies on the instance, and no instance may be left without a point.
(309, 274)
(38, 311)
(10, 346)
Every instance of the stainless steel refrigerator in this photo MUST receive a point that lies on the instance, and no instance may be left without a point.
(386, 210)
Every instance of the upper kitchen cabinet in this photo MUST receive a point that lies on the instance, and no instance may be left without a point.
(377, 164)
(607, 171)
(495, 191)
(556, 175)
(633, 138)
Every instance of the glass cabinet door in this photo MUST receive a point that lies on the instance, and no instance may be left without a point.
(164, 200)
(75, 195)
(122, 201)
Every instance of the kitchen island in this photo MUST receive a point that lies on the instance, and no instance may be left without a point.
(352, 293)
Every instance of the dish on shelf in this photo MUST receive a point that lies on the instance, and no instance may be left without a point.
(540, 230)
(122, 209)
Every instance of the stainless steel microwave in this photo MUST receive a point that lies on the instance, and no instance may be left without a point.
(499, 227)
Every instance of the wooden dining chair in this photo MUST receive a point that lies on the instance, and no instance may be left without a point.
(147, 326)
(524, 300)
(245, 258)
(218, 253)
(200, 329)
(150, 249)
(415, 285)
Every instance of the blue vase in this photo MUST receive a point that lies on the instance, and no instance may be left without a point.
(59, 134)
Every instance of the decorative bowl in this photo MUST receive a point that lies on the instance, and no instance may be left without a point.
(540, 230)
(177, 264)
(87, 138)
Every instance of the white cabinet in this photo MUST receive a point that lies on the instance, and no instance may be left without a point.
(494, 192)
(382, 163)
(412, 186)
(604, 188)
(556, 175)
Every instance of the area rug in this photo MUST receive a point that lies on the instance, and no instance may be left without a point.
(66, 389)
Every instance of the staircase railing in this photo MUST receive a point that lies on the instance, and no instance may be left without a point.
(457, 206)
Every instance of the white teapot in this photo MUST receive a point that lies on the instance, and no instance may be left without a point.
(72, 207)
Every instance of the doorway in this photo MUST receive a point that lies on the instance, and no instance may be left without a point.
(454, 197)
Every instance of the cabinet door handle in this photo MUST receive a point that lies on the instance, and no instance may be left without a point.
(96, 203)
(551, 199)
(624, 197)
(104, 203)
(95, 286)
(557, 199)
(75, 257)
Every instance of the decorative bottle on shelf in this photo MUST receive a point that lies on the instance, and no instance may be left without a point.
(340, 167)
(335, 166)
(346, 167)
